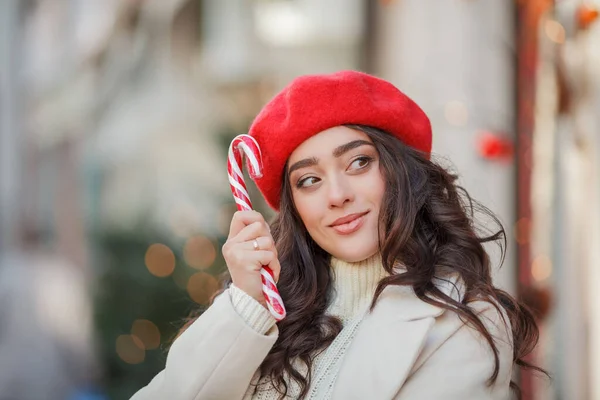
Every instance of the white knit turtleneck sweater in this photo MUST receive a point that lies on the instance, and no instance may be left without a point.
(354, 285)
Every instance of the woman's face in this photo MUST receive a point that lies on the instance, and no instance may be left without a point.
(337, 188)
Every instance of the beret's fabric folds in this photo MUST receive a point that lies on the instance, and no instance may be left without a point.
(313, 103)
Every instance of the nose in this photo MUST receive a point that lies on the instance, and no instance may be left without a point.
(339, 192)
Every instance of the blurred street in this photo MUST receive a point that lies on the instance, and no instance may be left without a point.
(116, 115)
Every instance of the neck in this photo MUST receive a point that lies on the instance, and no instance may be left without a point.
(354, 285)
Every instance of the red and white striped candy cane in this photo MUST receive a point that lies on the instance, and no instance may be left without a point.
(240, 145)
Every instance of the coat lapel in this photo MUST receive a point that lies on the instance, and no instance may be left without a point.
(388, 342)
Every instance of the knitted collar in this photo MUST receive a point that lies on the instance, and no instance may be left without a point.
(354, 285)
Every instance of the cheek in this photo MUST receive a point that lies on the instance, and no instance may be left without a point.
(374, 187)
(307, 210)
(380, 190)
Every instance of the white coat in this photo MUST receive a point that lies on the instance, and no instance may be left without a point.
(405, 349)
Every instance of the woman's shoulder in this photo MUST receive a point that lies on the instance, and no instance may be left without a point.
(453, 332)
(452, 335)
(457, 350)
(488, 311)
(494, 318)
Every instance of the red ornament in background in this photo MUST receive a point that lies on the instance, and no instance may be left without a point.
(495, 147)
(586, 15)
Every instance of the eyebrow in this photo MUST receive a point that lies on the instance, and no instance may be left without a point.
(337, 152)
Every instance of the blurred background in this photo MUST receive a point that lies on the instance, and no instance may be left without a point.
(116, 115)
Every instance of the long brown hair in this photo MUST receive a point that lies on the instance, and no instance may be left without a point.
(429, 225)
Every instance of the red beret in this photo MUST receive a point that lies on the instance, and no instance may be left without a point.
(313, 103)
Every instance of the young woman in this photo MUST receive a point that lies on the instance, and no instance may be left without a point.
(378, 260)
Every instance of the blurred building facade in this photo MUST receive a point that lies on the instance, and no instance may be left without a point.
(565, 195)
(116, 115)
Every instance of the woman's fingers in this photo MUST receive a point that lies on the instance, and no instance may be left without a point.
(251, 232)
(276, 268)
(248, 248)
(242, 219)
(257, 258)
(262, 243)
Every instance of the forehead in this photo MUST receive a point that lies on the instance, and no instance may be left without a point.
(323, 143)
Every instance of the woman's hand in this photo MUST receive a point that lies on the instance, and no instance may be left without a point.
(249, 246)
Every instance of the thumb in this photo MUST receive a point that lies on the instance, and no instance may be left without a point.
(276, 269)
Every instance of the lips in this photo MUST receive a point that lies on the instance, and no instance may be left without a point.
(347, 219)
(349, 224)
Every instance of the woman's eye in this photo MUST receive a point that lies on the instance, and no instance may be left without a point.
(361, 162)
(306, 182)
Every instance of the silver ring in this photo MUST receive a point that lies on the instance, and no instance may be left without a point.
(255, 244)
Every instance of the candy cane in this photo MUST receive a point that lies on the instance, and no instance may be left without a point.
(240, 145)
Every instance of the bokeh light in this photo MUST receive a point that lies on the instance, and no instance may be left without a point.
(522, 230)
(456, 113)
(199, 252)
(541, 268)
(586, 15)
(130, 349)
(147, 332)
(555, 31)
(160, 260)
(201, 287)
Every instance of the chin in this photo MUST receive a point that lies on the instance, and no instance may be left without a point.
(354, 254)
